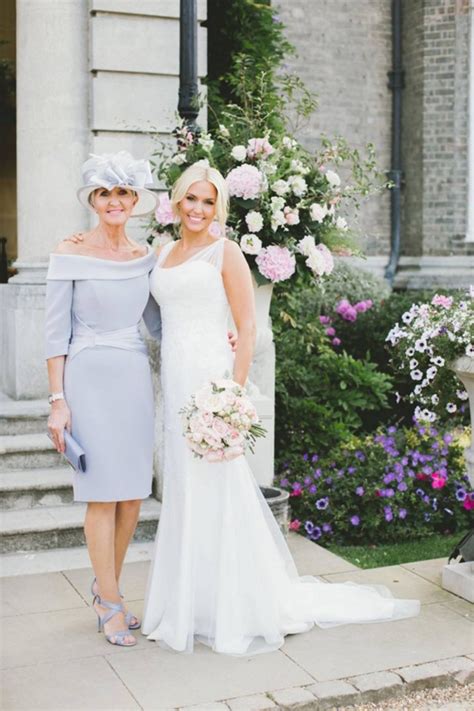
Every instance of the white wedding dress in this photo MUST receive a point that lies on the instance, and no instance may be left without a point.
(222, 573)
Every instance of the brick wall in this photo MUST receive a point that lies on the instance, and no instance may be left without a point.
(344, 54)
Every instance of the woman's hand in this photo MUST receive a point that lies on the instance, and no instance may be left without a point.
(233, 340)
(77, 238)
(59, 420)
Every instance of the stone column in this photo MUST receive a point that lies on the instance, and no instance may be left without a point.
(470, 178)
(53, 141)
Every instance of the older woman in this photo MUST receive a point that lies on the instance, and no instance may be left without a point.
(99, 376)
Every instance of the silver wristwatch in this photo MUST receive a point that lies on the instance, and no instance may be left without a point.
(55, 396)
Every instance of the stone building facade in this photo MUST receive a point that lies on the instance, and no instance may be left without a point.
(344, 55)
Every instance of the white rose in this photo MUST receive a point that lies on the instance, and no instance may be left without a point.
(206, 142)
(332, 178)
(318, 212)
(316, 262)
(277, 203)
(298, 167)
(254, 221)
(341, 224)
(306, 245)
(239, 153)
(179, 159)
(280, 187)
(250, 244)
(278, 220)
(298, 185)
(288, 142)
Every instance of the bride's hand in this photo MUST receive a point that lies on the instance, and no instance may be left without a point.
(77, 238)
(233, 340)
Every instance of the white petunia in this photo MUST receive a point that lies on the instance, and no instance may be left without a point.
(250, 244)
(421, 345)
(431, 372)
(413, 364)
(435, 399)
(417, 389)
(439, 361)
(470, 350)
(416, 375)
(318, 212)
(410, 352)
(280, 187)
(332, 178)
(298, 185)
(462, 394)
(239, 153)
(407, 317)
(254, 221)
(451, 407)
(305, 245)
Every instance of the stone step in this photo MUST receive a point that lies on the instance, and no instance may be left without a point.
(29, 488)
(23, 416)
(50, 527)
(28, 451)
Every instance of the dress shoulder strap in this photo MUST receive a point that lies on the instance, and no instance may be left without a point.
(165, 251)
(214, 254)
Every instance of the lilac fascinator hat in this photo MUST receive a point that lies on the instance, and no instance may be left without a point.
(119, 169)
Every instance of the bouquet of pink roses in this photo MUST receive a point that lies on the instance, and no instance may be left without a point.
(220, 422)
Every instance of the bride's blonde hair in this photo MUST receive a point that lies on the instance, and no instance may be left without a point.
(194, 174)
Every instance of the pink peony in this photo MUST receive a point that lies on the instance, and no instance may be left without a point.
(245, 181)
(163, 213)
(276, 263)
(259, 147)
(342, 307)
(336, 341)
(330, 331)
(442, 300)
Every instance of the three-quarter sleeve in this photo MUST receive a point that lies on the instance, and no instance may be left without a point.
(58, 316)
(152, 318)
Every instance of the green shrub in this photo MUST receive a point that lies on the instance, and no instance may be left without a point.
(390, 486)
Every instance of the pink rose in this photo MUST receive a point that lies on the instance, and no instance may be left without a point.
(233, 452)
(259, 147)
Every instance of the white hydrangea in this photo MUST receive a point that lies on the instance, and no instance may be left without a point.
(251, 244)
(306, 245)
(239, 153)
(254, 221)
(318, 212)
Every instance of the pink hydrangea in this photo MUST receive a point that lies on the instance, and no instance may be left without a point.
(245, 181)
(163, 213)
(259, 147)
(276, 263)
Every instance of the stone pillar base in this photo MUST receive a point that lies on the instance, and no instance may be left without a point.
(458, 578)
(23, 369)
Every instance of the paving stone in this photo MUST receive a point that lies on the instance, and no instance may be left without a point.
(378, 686)
(295, 698)
(466, 676)
(334, 693)
(218, 706)
(456, 664)
(257, 702)
(423, 676)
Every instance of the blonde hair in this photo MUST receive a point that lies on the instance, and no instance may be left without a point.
(194, 174)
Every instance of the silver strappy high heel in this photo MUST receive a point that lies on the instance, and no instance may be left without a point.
(129, 616)
(117, 638)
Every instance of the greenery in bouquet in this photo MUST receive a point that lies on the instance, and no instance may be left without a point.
(430, 337)
(394, 485)
(287, 205)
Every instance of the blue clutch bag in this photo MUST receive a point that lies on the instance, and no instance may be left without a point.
(74, 453)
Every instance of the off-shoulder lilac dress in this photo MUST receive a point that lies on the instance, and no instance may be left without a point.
(93, 310)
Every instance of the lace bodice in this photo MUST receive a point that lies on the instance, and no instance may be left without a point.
(195, 314)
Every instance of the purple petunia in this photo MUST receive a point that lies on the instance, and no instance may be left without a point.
(327, 528)
(388, 513)
(402, 513)
(316, 533)
(461, 494)
(355, 520)
(360, 491)
(322, 504)
(309, 527)
(402, 486)
(313, 489)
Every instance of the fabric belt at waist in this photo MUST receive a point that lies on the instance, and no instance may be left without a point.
(128, 339)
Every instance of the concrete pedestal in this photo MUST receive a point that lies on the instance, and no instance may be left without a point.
(459, 579)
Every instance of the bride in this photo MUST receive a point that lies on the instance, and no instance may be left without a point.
(222, 573)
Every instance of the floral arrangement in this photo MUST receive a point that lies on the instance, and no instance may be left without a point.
(430, 337)
(287, 205)
(220, 422)
(395, 484)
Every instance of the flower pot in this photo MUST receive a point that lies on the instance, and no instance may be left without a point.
(464, 369)
(278, 500)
